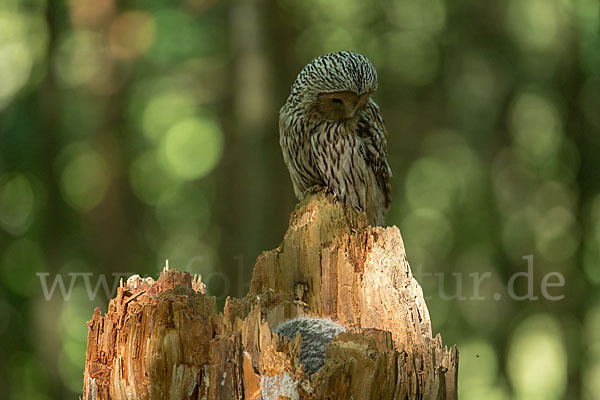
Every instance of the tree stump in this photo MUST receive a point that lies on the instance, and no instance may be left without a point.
(165, 339)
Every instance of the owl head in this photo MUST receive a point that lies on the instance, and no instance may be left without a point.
(336, 85)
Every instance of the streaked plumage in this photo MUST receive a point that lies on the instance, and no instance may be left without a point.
(332, 134)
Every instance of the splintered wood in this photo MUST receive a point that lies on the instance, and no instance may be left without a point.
(165, 339)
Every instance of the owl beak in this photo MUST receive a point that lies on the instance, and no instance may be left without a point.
(360, 101)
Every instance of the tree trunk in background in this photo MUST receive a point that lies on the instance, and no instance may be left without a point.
(254, 168)
(164, 339)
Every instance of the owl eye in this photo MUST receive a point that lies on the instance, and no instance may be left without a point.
(336, 100)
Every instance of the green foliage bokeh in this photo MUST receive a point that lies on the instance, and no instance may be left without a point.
(135, 132)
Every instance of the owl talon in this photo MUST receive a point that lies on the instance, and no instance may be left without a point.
(314, 189)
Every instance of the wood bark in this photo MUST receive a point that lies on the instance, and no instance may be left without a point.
(166, 340)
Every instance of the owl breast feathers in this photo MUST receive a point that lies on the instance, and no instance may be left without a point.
(332, 134)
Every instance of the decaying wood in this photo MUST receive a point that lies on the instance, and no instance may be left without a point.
(165, 339)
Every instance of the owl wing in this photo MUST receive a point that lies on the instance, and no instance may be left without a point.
(295, 146)
(371, 130)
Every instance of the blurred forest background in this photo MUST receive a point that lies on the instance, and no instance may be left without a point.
(136, 131)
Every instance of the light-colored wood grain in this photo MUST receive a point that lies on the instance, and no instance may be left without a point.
(165, 339)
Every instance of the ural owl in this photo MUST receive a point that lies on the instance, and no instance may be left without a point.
(332, 134)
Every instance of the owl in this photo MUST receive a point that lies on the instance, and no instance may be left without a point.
(332, 134)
